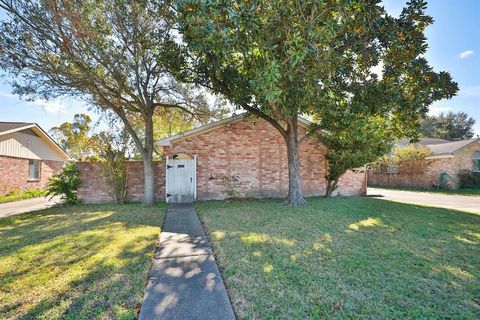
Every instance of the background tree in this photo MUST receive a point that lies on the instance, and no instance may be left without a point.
(410, 160)
(114, 54)
(168, 122)
(449, 126)
(281, 59)
(112, 150)
(75, 137)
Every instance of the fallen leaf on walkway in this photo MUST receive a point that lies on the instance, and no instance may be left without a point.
(137, 308)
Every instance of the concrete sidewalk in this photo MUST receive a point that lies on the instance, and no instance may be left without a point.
(448, 201)
(13, 208)
(184, 282)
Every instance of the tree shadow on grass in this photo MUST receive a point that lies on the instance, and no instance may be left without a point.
(85, 261)
(103, 291)
(44, 225)
(381, 259)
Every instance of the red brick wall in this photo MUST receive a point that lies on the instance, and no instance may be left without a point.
(14, 174)
(250, 150)
(353, 183)
(136, 183)
(255, 153)
(94, 188)
(431, 176)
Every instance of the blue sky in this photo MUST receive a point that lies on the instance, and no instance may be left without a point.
(454, 46)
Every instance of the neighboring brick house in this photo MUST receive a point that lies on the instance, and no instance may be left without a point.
(28, 157)
(447, 157)
(243, 156)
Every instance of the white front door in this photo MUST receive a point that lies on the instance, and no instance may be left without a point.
(181, 180)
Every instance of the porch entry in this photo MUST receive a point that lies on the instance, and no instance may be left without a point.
(181, 179)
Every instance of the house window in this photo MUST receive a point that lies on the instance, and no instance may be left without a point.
(33, 169)
(476, 162)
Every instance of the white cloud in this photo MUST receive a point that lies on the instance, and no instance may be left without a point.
(436, 109)
(465, 54)
(470, 92)
(50, 106)
(7, 95)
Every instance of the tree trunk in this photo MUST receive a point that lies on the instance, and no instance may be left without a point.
(331, 186)
(295, 194)
(148, 195)
(145, 152)
(147, 156)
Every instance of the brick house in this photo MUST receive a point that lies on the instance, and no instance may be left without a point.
(446, 157)
(241, 156)
(28, 157)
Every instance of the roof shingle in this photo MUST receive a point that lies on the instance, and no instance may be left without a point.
(439, 147)
(450, 147)
(6, 126)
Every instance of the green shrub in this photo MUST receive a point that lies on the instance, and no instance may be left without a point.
(65, 184)
(469, 179)
(231, 187)
(16, 195)
(114, 170)
(15, 191)
(35, 193)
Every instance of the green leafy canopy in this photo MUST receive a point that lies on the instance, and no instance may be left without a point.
(357, 71)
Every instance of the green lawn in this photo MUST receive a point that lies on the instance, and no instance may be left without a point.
(346, 258)
(461, 192)
(80, 262)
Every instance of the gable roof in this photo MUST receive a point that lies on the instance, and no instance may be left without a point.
(439, 147)
(166, 142)
(450, 148)
(11, 127)
(8, 127)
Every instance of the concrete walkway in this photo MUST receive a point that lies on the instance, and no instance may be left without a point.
(456, 202)
(185, 282)
(23, 206)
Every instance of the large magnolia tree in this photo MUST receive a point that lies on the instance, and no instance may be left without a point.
(281, 59)
(115, 54)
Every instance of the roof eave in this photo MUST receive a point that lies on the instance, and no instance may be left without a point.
(163, 143)
(43, 135)
(463, 147)
(440, 156)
